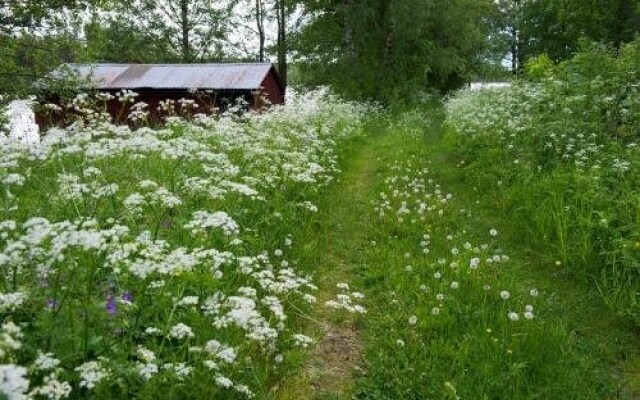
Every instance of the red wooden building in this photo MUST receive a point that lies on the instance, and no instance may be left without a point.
(213, 87)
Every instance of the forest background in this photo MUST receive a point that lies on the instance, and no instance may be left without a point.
(377, 49)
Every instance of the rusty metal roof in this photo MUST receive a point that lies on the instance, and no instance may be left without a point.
(173, 76)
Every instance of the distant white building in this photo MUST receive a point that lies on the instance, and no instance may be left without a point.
(488, 85)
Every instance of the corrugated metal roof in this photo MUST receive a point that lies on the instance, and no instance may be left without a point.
(173, 76)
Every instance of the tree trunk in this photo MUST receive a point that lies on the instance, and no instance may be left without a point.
(184, 24)
(516, 48)
(514, 51)
(386, 18)
(348, 31)
(260, 24)
(282, 41)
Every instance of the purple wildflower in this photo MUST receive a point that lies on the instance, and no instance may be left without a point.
(128, 297)
(52, 304)
(111, 305)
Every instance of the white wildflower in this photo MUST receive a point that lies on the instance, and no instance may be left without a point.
(13, 381)
(181, 331)
(11, 301)
(302, 340)
(45, 361)
(91, 374)
(53, 389)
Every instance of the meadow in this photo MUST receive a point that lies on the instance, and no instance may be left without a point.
(479, 246)
(154, 263)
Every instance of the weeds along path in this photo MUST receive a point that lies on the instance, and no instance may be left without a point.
(457, 307)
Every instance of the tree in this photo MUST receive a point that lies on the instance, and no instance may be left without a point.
(194, 30)
(555, 27)
(392, 49)
(120, 41)
(281, 46)
(259, 14)
(26, 15)
(28, 58)
(35, 37)
(508, 28)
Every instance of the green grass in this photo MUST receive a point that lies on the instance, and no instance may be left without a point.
(403, 223)
(574, 348)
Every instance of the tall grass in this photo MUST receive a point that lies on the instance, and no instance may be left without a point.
(559, 155)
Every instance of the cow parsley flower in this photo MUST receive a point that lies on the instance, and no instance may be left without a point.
(13, 381)
(45, 361)
(302, 340)
(147, 370)
(223, 381)
(203, 221)
(188, 301)
(11, 301)
(145, 354)
(181, 331)
(91, 374)
(53, 389)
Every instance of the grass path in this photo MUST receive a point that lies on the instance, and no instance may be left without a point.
(334, 247)
(578, 349)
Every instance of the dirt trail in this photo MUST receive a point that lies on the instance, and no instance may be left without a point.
(335, 362)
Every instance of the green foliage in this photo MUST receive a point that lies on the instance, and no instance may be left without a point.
(556, 27)
(27, 58)
(560, 157)
(392, 50)
(188, 30)
(122, 41)
(539, 67)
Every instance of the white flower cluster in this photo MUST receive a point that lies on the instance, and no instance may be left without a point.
(11, 301)
(345, 300)
(203, 221)
(91, 374)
